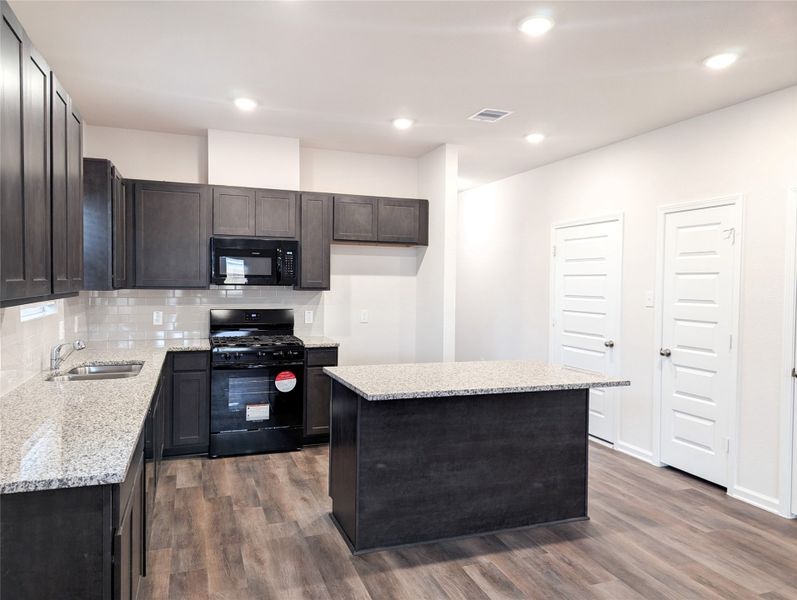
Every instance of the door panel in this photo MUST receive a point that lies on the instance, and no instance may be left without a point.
(355, 218)
(233, 211)
(275, 214)
(316, 226)
(60, 186)
(399, 220)
(74, 135)
(697, 380)
(587, 268)
(172, 234)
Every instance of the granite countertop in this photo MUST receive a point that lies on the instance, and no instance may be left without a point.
(317, 341)
(78, 433)
(430, 380)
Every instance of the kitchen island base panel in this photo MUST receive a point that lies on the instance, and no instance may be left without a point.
(417, 470)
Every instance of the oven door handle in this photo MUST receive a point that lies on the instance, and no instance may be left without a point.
(247, 367)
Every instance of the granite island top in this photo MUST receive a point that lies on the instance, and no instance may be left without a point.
(79, 433)
(434, 380)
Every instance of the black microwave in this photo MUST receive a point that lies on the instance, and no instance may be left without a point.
(253, 261)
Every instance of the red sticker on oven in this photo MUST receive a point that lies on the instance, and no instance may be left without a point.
(285, 381)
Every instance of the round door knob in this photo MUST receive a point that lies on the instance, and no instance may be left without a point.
(665, 352)
(609, 343)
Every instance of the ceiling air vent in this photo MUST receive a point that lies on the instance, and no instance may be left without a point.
(490, 115)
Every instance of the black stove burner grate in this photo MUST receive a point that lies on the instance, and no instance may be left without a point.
(248, 341)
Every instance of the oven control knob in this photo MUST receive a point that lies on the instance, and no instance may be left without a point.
(279, 354)
(226, 356)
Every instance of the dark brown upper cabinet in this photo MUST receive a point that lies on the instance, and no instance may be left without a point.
(400, 221)
(172, 227)
(276, 214)
(316, 237)
(355, 219)
(382, 220)
(67, 193)
(233, 211)
(107, 227)
(253, 212)
(25, 255)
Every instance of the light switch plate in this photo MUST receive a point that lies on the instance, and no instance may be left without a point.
(649, 299)
(308, 317)
(157, 317)
(364, 315)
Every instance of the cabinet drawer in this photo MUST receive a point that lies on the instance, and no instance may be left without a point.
(190, 361)
(322, 357)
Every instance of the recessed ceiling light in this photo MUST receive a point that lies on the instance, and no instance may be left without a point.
(403, 123)
(245, 103)
(536, 26)
(721, 61)
(535, 138)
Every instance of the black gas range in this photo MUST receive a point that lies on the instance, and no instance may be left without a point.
(257, 382)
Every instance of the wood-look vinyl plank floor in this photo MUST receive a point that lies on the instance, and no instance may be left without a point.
(258, 528)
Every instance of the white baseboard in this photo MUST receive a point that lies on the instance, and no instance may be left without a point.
(635, 451)
(757, 499)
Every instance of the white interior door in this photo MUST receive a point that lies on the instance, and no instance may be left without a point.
(586, 310)
(700, 273)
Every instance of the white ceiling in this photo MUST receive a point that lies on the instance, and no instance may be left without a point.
(334, 74)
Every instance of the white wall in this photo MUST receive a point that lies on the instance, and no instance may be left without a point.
(504, 246)
(355, 173)
(149, 154)
(381, 280)
(436, 297)
(252, 160)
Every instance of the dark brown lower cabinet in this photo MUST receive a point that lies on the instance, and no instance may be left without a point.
(83, 543)
(316, 393)
(129, 540)
(188, 404)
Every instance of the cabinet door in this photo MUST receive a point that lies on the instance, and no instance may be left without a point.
(60, 187)
(233, 211)
(399, 220)
(74, 201)
(316, 226)
(190, 409)
(25, 268)
(120, 230)
(122, 559)
(172, 235)
(275, 214)
(316, 410)
(138, 535)
(355, 218)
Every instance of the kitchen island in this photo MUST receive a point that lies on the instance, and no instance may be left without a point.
(424, 452)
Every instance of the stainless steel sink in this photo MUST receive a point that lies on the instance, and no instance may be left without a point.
(95, 372)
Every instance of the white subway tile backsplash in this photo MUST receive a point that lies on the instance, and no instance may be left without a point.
(123, 319)
(25, 346)
(127, 315)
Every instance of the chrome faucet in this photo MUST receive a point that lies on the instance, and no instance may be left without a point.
(55, 354)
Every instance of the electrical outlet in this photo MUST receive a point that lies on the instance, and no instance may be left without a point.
(308, 317)
(364, 315)
(157, 317)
